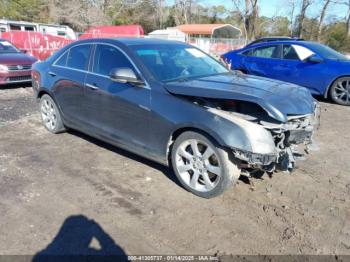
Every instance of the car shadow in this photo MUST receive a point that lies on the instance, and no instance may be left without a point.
(320, 98)
(74, 241)
(167, 171)
(328, 100)
(15, 86)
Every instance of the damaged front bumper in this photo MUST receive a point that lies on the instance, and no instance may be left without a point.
(282, 160)
(297, 132)
(255, 159)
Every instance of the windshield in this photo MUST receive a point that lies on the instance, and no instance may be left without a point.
(169, 62)
(327, 52)
(7, 47)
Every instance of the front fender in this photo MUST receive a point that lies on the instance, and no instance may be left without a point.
(224, 132)
(234, 132)
(256, 138)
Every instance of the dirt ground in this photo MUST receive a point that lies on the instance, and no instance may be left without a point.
(71, 193)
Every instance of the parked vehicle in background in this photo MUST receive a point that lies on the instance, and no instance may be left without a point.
(272, 39)
(51, 29)
(172, 103)
(15, 66)
(321, 69)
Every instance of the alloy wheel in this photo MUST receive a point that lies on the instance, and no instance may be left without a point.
(198, 165)
(341, 91)
(48, 114)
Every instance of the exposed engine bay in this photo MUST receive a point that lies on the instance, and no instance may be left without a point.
(288, 141)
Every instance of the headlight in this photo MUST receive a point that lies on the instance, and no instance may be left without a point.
(3, 68)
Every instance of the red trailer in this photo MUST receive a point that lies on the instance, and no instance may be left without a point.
(34, 43)
(113, 31)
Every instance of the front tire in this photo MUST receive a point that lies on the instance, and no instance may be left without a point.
(203, 167)
(50, 115)
(340, 91)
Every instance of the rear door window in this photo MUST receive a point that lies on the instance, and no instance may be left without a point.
(272, 51)
(78, 57)
(107, 58)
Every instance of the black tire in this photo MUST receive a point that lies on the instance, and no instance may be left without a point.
(228, 165)
(239, 71)
(49, 109)
(340, 91)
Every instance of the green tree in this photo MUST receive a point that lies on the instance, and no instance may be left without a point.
(27, 10)
(336, 37)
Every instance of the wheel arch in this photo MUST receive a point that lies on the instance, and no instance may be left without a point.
(326, 93)
(180, 130)
(43, 91)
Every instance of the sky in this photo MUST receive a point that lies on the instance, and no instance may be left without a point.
(280, 7)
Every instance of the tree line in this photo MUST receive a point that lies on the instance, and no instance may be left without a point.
(295, 20)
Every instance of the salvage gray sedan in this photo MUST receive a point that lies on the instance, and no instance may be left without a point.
(172, 103)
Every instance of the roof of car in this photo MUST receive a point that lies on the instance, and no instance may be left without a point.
(134, 41)
(147, 41)
(290, 41)
(270, 39)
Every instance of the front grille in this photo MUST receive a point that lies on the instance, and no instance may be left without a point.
(19, 78)
(19, 67)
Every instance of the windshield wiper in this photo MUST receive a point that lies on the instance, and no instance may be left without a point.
(181, 79)
(188, 78)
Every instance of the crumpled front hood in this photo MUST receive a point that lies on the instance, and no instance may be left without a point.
(278, 99)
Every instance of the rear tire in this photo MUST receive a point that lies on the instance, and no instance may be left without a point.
(202, 166)
(50, 115)
(340, 91)
(241, 72)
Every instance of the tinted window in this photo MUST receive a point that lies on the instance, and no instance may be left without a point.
(247, 53)
(63, 60)
(29, 28)
(78, 57)
(108, 57)
(289, 53)
(271, 51)
(15, 27)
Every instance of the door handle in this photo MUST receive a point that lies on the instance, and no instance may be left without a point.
(52, 74)
(93, 86)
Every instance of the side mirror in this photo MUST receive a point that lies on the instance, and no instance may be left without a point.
(125, 75)
(315, 59)
(24, 51)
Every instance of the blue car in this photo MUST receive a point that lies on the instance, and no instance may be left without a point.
(321, 69)
(172, 103)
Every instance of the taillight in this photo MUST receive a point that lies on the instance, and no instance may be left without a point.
(35, 80)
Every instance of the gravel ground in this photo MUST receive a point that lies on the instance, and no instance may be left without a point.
(71, 193)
